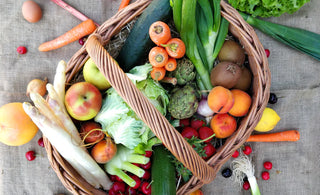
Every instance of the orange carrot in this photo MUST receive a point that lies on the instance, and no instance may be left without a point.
(159, 32)
(123, 4)
(290, 135)
(158, 73)
(84, 28)
(175, 48)
(171, 64)
(158, 57)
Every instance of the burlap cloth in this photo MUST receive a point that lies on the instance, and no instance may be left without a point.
(295, 79)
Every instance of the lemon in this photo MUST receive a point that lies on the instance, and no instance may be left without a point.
(268, 120)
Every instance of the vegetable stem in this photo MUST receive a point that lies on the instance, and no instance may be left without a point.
(127, 166)
(136, 158)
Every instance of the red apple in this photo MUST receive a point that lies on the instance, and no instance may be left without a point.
(83, 101)
(91, 131)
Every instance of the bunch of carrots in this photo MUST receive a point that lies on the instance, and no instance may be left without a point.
(163, 56)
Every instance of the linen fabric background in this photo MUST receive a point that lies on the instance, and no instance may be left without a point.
(295, 80)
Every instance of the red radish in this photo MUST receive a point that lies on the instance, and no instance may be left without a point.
(265, 175)
(40, 142)
(209, 150)
(118, 187)
(146, 166)
(146, 175)
(148, 153)
(184, 122)
(112, 192)
(22, 50)
(30, 155)
(115, 178)
(146, 188)
(235, 154)
(197, 123)
(267, 165)
(204, 133)
(189, 132)
(131, 191)
(246, 185)
(247, 150)
(137, 180)
(91, 132)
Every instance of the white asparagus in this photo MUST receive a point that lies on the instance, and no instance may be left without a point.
(60, 79)
(60, 139)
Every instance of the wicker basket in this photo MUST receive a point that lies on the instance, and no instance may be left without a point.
(203, 171)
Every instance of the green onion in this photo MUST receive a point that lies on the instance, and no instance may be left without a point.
(302, 40)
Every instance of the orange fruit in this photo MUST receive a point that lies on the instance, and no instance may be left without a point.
(16, 127)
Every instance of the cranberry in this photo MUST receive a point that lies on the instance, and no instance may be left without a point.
(146, 166)
(137, 180)
(265, 175)
(148, 153)
(22, 50)
(273, 98)
(247, 150)
(146, 188)
(267, 52)
(82, 40)
(30, 155)
(118, 186)
(235, 154)
(267, 165)
(246, 185)
(146, 175)
(40, 142)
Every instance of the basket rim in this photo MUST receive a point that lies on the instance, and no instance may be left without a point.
(257, 59)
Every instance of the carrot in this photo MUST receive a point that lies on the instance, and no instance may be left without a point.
(79, 31)
(123, 4)
(159, 32)
(290, 135)
(171, 65)
(158, 57)
(158, 73)
(175, 48)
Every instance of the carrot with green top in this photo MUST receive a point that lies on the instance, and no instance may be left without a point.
(84, 28)
(290, 135)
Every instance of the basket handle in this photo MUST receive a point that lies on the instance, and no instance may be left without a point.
(160, 126)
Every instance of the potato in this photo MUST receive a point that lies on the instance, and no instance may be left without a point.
(225, 74)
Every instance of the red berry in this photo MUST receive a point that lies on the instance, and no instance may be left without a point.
(267, 165)
(265, 175)
(235, 154)
(131, 191)
(247, 150)
(22, 50)
(246, 185)
(205, 132)
(82, 40)
(209, 150)
(189, 132)
(119, 186)
(146, 175)
(40, 142)
(137, 180)
(184, 122)
(146, 166)
(146, 188)
(267, 52)
(148, 153)
(197, 123)
(30, 155)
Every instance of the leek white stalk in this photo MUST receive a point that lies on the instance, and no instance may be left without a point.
(242, 166)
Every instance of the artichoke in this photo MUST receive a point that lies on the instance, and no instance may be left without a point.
(184, 101)
(184, 72)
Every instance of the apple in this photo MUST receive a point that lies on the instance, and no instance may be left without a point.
(83, 101)
(92, 74)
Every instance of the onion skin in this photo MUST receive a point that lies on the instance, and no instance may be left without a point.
(204, 109)
(37, 86)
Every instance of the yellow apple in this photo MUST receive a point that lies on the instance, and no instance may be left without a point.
(93, 75)
(83, 101)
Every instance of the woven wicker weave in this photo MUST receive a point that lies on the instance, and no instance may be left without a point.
(203, 171)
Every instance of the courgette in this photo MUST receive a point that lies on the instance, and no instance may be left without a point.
(163, 172)
(137, 45)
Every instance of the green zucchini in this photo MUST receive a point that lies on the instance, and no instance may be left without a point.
(138, 43)
(163, 172)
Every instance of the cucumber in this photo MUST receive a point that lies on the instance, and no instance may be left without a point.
(138, 43)
(163, 172)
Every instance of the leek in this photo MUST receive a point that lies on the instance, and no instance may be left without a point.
(300, 39)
